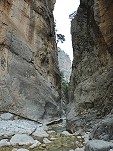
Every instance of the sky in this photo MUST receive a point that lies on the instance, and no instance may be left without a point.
(63, 8)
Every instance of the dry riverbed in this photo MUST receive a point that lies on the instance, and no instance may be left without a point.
(23, 135)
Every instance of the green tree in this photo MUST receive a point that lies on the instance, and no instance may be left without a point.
(60, 38)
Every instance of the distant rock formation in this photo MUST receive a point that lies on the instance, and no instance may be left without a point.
(91, 86)
(29, 73)
(64, 64)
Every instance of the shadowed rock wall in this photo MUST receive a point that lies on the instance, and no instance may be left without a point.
(29, 73)
(91, 85)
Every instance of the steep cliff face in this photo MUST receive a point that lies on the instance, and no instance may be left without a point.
(29, 73)
(91, 85)
(64, 64)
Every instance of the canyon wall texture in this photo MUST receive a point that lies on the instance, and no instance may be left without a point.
(29, 73)
(64, 64)
(91, 85)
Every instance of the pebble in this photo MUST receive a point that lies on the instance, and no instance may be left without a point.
(22, 149)
(46, 141)
(53, 138)
(66, 133)
(79, 137)
(49, 132)
(37, 143)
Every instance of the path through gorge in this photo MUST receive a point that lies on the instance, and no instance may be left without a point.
(34, 115)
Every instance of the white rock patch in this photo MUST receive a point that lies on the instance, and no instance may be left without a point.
(40, 133)
(46, 141)
(37, 143)
(22, 139)
(4, 142)
(6, 116)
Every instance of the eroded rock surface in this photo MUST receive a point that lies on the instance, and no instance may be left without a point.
(64, 64)
(29, 74)
(91, 85)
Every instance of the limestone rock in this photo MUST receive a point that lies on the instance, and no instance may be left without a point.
(4, 142)
(6, 116)
(40, 133)
(21, 149)
(46, 141)
(9, 128)
(21, 139)
(98, 145)
(79, 149)
(91, 85)
(64, 64)
(29, 73)
(104, 129)
(37, 143)
(66, 133)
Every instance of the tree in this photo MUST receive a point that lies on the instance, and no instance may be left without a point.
(60, 38)
(72, 15)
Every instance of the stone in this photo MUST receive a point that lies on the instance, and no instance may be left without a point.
(22, 149)
(6, 116)
(79, 149)
(51, 131)
(98, 145)
(90, 95)
(22, 139)
(53, 138)
(66, 133)
(40, 133)
(64, 64)
(9, 128)
(86, 136)
(37, 143)
(46, 141)
(15, 149)
(29, 72)
(4, 142)
(103, 129)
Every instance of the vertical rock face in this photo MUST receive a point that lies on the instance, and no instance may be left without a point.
(64, 64)
(91, 85)
(29, 74)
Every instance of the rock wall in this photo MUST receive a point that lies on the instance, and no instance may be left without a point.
(29, 73)
(91, 85)
(64, 64)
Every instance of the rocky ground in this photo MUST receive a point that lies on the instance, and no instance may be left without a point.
(17, 134)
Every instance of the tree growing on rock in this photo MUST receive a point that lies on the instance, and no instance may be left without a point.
(60, 38)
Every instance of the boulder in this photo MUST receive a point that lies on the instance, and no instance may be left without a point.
(6, 116)
(98, 145)
(21, 139)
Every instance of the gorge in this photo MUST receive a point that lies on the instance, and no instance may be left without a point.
(30, 79)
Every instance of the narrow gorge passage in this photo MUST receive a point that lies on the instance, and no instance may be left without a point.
(42, 107)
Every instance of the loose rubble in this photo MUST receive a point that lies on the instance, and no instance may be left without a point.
(29, 135)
